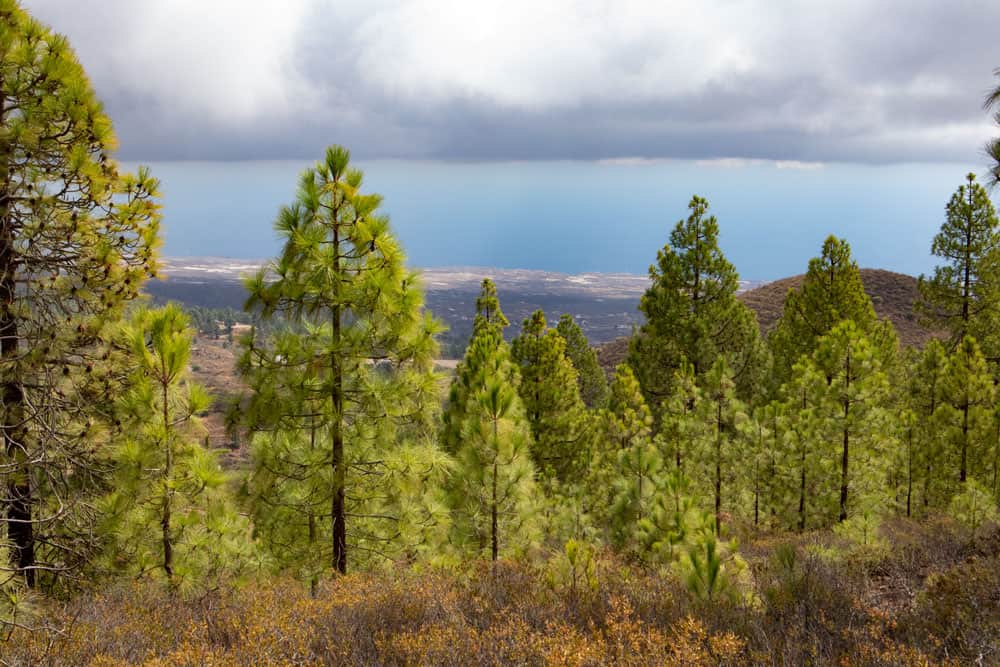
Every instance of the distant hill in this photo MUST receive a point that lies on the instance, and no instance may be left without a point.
(892, 294)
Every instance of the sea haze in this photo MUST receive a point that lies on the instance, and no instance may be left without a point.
(577, 217)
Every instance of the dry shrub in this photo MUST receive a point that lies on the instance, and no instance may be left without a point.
(958, 614)
(808, 608)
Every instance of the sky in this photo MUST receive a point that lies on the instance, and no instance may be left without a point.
(791, 81)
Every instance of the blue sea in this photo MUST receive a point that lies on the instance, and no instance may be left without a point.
(576, 217)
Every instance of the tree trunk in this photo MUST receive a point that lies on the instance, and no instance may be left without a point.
(802, 490)
(847, 436)
(718, 470)
(338, 509)
(20, 526)
(962, 472)
(494, 523)
(168, 545)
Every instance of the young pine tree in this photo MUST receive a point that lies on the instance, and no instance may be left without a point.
(589, 374)
(964, 291)
(488, 327)
(170, 512)
(691, 310)
(493, 491)
(77, 238)
(716, 452)
(928, 377)
(350, 374)
(804, 463)
(965, 412)
(678, 425)
(551, 399)
(626, 465)
(852, 404)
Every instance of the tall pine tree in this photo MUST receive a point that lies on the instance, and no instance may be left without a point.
(831, 293)
(963, 293)
(77, 238)
(691, 310)
(351, 375)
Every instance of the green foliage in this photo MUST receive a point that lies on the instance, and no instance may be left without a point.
(335, 397)
(673, 520)
(589, 374)
(625, 467)
(77, 238)
(964, 292)
(711, 570)
(678, 428)
(973, 506)
(803, 454)
(927, 436)
(993, 145)
(692, 314)
(831, 293)
(488, 330)
(852, 405)
(493, 493)
(169, 513)
(551, 399)
(715, 452)
(965, 414)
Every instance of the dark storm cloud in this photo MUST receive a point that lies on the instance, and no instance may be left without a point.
(870, 82)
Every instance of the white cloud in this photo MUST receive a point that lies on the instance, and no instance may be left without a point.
(790, 81)
(230, 59)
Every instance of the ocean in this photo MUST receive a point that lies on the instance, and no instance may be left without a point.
(576, 217)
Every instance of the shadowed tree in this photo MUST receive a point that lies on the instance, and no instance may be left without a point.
(551, 400)
(590, 376)
(77, 238)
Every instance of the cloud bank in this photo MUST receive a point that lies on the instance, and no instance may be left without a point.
(794, 82)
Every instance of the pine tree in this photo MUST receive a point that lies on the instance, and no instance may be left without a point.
(351, 373)
(493, 490)
(76, 240)
(802, 451)
(590, 376)
(673, 520)
(678, 428)
(170, 510)
(551, 399)
(489, 323)
(965, 411)
(992, 103)
(963, 292)
(715, 456)
(853, 403)
(624, 472)
(928, 376)
(756, 468)
(831, 293)
(691, 310)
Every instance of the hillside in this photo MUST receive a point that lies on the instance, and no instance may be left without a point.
(892, 294)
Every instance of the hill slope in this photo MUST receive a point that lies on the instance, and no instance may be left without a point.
(892, 294)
